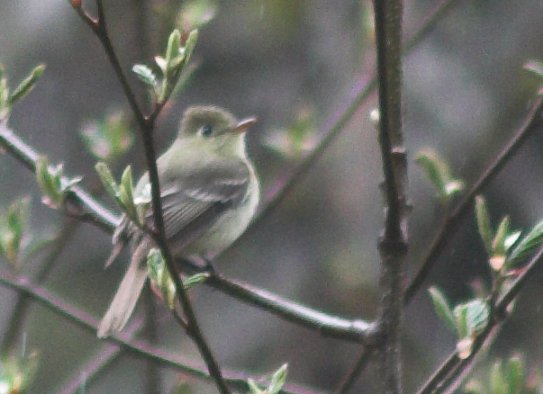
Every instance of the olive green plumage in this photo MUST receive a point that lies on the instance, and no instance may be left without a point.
(209, 193)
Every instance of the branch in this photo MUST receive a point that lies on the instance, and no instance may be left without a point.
(339, 119)
(92, 368)
(428, 24)
(349, 379)
(147, 126)
(532, 123)
(453, 367)
(393, 241)
(138, 348)
(78, 202)
(328, 325)
(22, 302)
(294, 312)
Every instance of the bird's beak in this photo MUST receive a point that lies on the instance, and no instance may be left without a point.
(244, 125)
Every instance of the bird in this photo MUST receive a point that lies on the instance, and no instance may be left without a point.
(209, 192)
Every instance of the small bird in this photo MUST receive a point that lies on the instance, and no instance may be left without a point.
(209, 192)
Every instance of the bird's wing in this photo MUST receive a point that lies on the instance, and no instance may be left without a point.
(192, 205)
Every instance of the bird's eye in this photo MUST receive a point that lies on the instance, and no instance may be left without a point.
(206, 130)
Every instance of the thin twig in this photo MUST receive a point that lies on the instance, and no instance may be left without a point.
(92, 368)
(532, 122)
(338, 120)
(328, 325)
(80, 202)
(393, 241)
(147, 126)
(57, 305)
(22, 302)
(349, 379)
(453, 366)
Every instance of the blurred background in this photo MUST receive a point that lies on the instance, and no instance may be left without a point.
(292, 64)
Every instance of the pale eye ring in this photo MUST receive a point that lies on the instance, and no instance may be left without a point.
(206, 130)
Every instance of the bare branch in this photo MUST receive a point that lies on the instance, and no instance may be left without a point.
(21, 304)
(393, 241)
(139, 348)
(350, 378)
(328, 325)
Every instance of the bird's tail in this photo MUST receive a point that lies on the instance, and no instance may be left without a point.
(127, 294)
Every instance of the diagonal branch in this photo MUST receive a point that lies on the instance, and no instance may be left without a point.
(532, 123)
(22, 303)
(147, 127)
(78, 202)
(338, 120)
(328, 325)
(454, 367)
(236, 379)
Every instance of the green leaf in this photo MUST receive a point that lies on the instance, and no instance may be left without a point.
(535, 66)
(515, 375)
(194, 280)
(173, 49)
(278, 380)
(12, 228)
(162, 64)
(254, 388)
(436, 170)
(460, 313)
(16, 373)
(498, 244)
(527, 245)
(161, 277)
(483, 223)
(454, 187)
(145, 74)
(108, 181)
(4, 95)
(49, 181)
(26, 84)
(127, 193)
(512, 239)
(498, 385)
(190, 44)
(478, 315)
(442, 308)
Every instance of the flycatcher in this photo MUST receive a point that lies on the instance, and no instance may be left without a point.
(209, 193)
